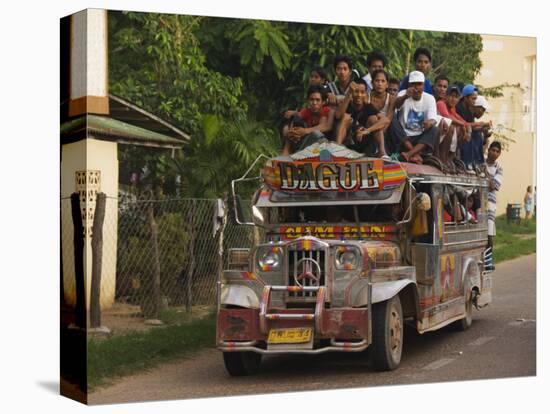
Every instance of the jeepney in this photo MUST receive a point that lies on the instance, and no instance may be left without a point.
(351, 248)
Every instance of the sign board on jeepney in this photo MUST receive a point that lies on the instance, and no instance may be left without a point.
(328, 167)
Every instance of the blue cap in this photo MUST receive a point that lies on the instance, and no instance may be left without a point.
(468, 90)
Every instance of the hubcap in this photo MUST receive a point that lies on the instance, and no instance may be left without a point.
(395, 330)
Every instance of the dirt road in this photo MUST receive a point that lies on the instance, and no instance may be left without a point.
(500, 344)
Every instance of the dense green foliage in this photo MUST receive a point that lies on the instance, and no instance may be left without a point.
(227, 81)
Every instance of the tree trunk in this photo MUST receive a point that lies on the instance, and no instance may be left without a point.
(78, 242)
(97, 260)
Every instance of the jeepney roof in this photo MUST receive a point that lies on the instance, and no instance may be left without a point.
(326, 173)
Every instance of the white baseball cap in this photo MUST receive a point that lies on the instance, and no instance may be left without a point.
(481, 101)
(416, 76)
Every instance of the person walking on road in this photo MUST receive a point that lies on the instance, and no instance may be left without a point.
(528, 203)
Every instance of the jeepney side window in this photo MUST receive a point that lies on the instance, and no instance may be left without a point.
(449, 205)
(473, 207)
(427, 238)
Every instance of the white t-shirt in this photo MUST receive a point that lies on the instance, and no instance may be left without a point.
(367, 78)
(412, 113)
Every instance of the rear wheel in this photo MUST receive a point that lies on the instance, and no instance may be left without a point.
(240, 364)
(387, 334)
(465, 323)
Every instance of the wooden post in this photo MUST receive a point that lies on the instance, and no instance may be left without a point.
(189, 279)
(97, 260)
(78, 242)
(152, 306)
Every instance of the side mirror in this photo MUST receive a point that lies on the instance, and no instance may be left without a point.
(239, 212)
(219, 216)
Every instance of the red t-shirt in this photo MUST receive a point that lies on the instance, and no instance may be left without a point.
(443, 110)
(312, 119)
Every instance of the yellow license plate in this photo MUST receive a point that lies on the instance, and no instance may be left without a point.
(289, 336)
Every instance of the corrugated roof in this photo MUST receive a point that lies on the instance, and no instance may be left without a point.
(132, 114)
(109, 129)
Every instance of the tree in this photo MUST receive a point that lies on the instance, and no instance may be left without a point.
(222, 152)
(156, 62)
(237, 48)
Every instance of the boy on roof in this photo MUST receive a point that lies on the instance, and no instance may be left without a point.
(414, 128)
(375, 61)
(360, 121)
(422, 62)
(393, 86)
(459, 130)
(310, 125)
(343, 66)
(471, 152)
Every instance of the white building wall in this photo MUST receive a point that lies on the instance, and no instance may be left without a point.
(512, 60)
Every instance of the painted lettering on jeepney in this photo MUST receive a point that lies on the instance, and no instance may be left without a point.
(331, 232)
(323, 232)
(352, 176)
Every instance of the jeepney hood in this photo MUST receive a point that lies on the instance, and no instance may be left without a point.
(381, 254)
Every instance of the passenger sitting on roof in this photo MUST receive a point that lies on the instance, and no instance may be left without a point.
(375, 61)
(414, 128)
(393, 86)
(360, 121)
(317, 76)
(459, 130)
(422, 63)
(379, 97)
(310, 125)
(343, 67)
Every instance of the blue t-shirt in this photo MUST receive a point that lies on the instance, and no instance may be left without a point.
(414, 121)
(427, 85)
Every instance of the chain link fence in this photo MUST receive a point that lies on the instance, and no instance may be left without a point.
(160, 259)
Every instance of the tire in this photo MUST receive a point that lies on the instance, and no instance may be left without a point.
(387, 334)
(465, 323)
(240, 364)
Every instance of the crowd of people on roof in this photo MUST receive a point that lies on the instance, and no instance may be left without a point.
(378, 115)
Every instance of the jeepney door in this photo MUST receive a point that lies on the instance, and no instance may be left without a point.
(425, 250)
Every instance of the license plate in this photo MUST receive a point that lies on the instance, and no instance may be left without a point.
(289, 336)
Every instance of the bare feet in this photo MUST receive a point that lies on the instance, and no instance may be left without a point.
(416, 158)
(405, 156)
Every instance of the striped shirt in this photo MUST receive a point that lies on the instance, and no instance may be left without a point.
(496, 174)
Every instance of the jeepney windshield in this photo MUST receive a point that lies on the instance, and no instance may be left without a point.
(335, 214)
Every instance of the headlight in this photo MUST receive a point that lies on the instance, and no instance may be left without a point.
(347, 258)
(269, 258)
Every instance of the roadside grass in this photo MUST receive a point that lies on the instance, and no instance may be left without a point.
(513, 239)
(137, 351)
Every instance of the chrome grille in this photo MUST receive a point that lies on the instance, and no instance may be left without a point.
(306, 268)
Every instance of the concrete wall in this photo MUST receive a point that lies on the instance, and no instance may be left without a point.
(93, 158)
(512, 60)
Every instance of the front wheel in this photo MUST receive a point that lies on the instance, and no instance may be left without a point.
(239, 364)
(387, 334)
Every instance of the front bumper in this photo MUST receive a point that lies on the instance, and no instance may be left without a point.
(339, 329)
